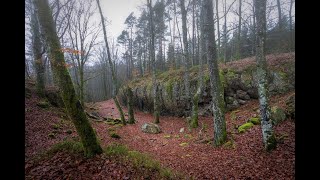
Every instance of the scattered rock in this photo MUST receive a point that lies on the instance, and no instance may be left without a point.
(53, 96)
(93, 115)
(150, 128)
(277, 115)
(112, 121)
(242, 95)
(242, 102)
(253, 93)
(51, 135)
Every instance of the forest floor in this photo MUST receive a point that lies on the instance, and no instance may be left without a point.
(243, 158)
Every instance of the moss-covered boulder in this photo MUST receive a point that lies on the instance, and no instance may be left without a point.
(244, 127)
(53, 96)
(291, 110)
(43, 104)
(254, 120)
(112, 121)
(150, 128)
(277, 115)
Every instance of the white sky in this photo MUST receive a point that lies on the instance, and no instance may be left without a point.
(116, 12)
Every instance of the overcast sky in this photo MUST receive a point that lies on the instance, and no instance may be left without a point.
(116, 12)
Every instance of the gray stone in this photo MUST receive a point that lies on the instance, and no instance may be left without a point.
(150, 128)
(181, 130)
(253, 93)
(229, 100)
(277, 115)
(242, 102)
(242, 95)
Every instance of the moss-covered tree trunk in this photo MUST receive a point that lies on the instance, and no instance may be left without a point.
(81, 88)
(202, 59)
(185, 51)
(195, 108)
(131, 119)
(73, 106)
(156, 113)
(114, 77)
(37, 55)
(220, 134)
(262, 71)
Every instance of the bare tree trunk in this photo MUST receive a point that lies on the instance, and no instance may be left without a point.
(262, 72)
(290, 26)
(37, 55)
(254, 31)
(193, 32)
(238, 54)
(174, 34)
(154, 80)
(202, 59)
(140, 59)
(26, 68)
(279, 16)
(225, 32)
(218, 28)
(220, 133)
(160, 60)
(131, 56)
(73, 106)
(114, 77)
(186, 52)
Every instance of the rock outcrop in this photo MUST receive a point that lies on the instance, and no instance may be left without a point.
(238, 79)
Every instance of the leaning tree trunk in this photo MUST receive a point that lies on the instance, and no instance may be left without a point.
(154, 80)
(262, 71)
(73, 106)
(220, 133)
(186, 51)
(37, 55)
(81, 87)
(114, 77)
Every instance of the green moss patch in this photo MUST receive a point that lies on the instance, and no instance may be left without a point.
(183, 144)
(167, 136)
(254, 121)
(244, 127)
(139, 160)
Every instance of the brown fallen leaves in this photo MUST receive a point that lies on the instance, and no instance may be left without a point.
(246, 160)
